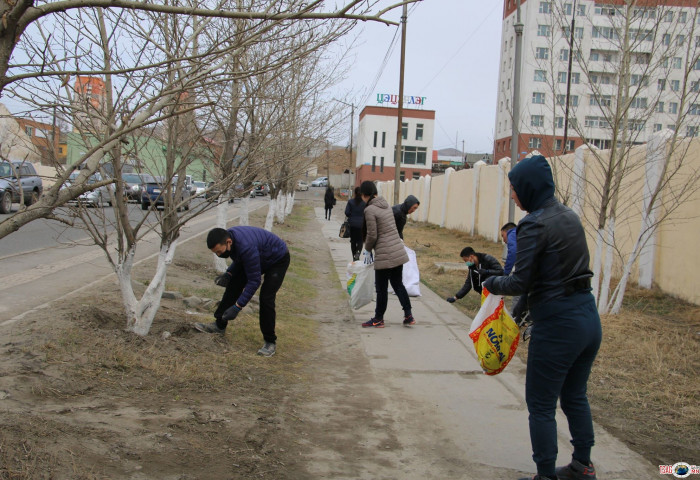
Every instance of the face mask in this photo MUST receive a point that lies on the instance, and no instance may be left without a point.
(469, 264)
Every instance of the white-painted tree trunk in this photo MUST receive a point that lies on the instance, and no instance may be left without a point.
(290, 203)
(270, 219)
(597, 263)
(619, 294)
(140, 313)
(281, 207)
(244, 211)
(607, 267)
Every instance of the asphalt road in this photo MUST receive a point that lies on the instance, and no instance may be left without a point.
(45, 261)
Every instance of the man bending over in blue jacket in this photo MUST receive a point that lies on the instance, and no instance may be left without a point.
(254, 253)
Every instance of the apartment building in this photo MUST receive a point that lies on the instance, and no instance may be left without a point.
(580, 57)
(376, 144)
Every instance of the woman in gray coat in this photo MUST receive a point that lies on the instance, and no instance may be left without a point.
(380, 234)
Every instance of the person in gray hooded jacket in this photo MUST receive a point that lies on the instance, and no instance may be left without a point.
(552, 272)
(403, 210)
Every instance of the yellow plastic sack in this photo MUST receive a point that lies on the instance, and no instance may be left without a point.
(494, 333)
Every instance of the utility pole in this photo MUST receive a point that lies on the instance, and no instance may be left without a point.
(399, 130)
(568, 78)
(518, 27)
(352, 120)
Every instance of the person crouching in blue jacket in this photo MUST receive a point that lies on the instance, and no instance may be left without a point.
(255, 253)
(552, 270)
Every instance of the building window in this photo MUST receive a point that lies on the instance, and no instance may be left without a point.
(383, 139)
(538, 97)
(600, 100)
(567, 8)
(580, 10)
(675, 85)
(682, 17)
(559, 122)
(557, 145)
(694, 109)
(695, 86)
(676, 63)
(692, 131)
(561, 77)
(595, 56)
(539, 75)
(419, 131)
(660, 107)
(661, 85)
(414, 155)
(564, 54)
(375, 140)
(542, 53)
(605, 32)
(537, 120)
(535, 142)
(596, 122)
(374, 164)
(680, 40)
(638, 102)
(545, 7)
(571, 145)
(642, 80)
(673, 107)
(28, 130)
(575, 77)
(657, 127)
(668, 16)
(416, 175)
(381, 165)
(544, 30)
(402, 175)
(404, 131)
(578, 33)
(666, 39)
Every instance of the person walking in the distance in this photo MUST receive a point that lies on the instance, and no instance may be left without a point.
(552, 270)
(380, 234)
(481, 266)
(329, 201)
(403, 210)
(255, 253)
(355, 211)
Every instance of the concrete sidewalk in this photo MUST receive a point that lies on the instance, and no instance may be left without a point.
(434, 364)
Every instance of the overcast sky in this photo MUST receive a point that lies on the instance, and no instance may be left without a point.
(452, 55)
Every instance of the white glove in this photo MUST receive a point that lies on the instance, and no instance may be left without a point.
(367, 257)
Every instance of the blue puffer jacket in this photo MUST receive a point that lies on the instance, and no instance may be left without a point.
(256, 250)
(552, 254)
(511, 236)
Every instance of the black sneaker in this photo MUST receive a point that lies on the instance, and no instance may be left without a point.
(576, 471)
(537, 477)
(408, 320)
(373, 322)
(209, 328)
(267, 350)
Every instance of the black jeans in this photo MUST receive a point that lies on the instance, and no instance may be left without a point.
(559, 360)
(328, 212)
(273, 277)
(355, 240)
(382, 278)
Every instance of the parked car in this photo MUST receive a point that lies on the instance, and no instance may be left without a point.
(302, 186)
(259, 189)
(200, 188)
(96, 197)
(152, 193)
(132, 186)
(31, 184)
(320, 182)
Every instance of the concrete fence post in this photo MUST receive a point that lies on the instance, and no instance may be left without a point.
(448, 174)
(655, 158)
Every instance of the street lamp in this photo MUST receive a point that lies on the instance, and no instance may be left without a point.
(352, 119)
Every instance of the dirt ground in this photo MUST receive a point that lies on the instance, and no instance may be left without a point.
(80, 398)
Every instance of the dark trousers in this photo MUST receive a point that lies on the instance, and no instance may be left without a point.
(355, 240)
(328, 212)
(382, 278)
(273, 277)
(560, 356)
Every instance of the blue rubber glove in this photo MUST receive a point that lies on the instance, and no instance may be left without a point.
(230, 313)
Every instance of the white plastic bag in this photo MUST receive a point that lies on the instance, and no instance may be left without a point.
(411, 275)
(360, 284)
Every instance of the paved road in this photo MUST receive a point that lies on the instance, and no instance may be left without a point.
(45, 269)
